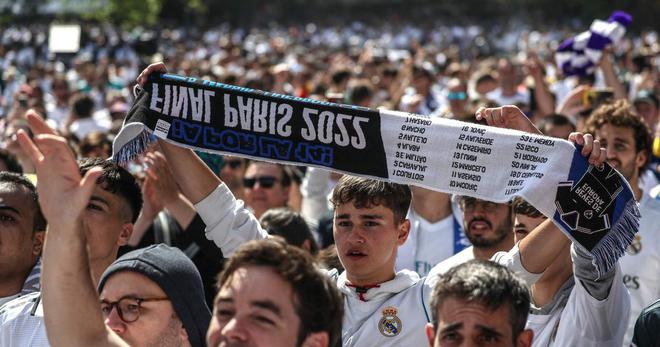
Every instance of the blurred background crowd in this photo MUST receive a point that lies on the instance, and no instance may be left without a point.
(441, 59)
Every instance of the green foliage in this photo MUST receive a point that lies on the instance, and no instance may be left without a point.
(126, 13)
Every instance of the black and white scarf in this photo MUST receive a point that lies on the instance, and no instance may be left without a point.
(593, 206)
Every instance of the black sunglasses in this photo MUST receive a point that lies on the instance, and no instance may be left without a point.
(264, 181)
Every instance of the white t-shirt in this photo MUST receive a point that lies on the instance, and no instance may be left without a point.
(511, 259)
(427, 245)
(22, 322)
(641, 263)
(459, 258)
(520, 97)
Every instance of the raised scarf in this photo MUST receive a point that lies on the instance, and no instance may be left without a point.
(593, 206)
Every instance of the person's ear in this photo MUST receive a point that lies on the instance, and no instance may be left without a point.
(183, 335)
(38, 242)
(306, 245)
(125, 234)
(430, 334)
(525, 338)
(404, 231)
(640, 158)
(320, 339)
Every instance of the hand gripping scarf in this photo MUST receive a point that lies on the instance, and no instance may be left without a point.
(593, 206)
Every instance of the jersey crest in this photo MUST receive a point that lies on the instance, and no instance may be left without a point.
(390, 325)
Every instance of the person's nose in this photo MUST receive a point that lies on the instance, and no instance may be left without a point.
(114, 322)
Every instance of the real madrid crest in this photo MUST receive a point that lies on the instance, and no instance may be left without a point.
(390, 325)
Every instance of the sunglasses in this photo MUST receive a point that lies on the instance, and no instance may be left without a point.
(456, 96)
(128, 308)
(234, 164)
(264, 181)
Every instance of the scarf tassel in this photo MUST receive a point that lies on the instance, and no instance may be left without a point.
(613, 245)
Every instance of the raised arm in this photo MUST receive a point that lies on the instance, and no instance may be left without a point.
(544, 98)
(611, 78)
(228, 223)
(71, 305)
(542, 246)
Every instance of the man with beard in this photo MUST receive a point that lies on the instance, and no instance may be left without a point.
(382, 307)
(488, 227)
(625, 136)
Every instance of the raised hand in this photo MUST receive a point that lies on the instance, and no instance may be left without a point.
(63, 194)
(160, 180)
(143, 77)
(509, 117)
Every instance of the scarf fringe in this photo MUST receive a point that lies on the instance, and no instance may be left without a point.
(132, 149)
(613, 245)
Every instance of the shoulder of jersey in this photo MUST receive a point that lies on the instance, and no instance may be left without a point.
(654, 194)
(20, 303)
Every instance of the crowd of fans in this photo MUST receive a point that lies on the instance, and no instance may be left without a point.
(437, 71)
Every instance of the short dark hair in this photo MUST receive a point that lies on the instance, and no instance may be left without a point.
(83, 106)
(621, 114)
(115, 179)
(290, 225)
(367, 192)
(522, 207)
(556, 119)
(93, 140)
(488, 284)
(317, 302)
(38, 220)
(10, 161)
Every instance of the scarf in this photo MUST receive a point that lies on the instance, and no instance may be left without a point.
(593, 206)
(581, 54)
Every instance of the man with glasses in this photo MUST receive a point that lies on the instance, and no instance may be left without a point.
(457, 100)
(488, 227)
(266, 186)
(151, 297)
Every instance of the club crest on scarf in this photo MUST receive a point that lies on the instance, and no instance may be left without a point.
(594, 195)
(389, 324)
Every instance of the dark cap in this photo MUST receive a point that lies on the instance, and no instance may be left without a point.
(178, 277)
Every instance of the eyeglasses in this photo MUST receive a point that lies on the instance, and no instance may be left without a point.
(264, 181)
(128, 308)
(234, 164)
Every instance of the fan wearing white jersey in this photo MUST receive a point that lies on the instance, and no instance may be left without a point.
(571, 305)
(382, 307)
(626, 137)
